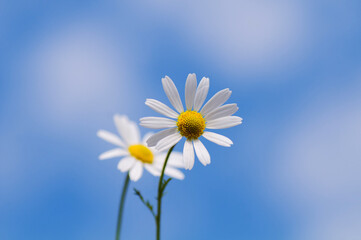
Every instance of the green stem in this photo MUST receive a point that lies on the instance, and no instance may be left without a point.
(121, 206)
(160, 194)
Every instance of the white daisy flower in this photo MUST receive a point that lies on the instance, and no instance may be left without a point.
(191, 122)
(135, 152)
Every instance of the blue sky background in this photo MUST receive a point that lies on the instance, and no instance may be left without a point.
(293, 173)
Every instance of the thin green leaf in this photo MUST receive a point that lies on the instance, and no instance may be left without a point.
(165, 183)
(146, 203)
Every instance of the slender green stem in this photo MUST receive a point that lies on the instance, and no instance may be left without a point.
(160, 194)
(121, 206)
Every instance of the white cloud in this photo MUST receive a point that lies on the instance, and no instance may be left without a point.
(72, 76)
(77, 71)
(11, 172)
(318, 171)
(250, 36)
(321, 155)
(336, 226)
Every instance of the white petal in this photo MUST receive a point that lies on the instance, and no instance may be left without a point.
(136, 172)
(161, 108)
(174, 173)
(168, 142)
(218, 139)
(155, 138)
(122, 123)
(217, 100)
(172, 94)
(127, 129)
(201, 94)
(126, 163)
(117, 152)
(146, 137)
(188, 155)
(190, 91)
(154, 171)
(175, 159)
(157, 122)
(222, 111)
(202, 152)
(158, 164)
(224, 122)
(133, 133)
(110, 137)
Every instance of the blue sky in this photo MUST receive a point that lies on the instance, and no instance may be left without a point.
(66, 67)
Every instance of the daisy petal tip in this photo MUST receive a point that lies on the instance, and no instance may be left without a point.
(120, 169)
(205, 81)
(148, 101)
(120, 117)
(166, 78)
(205, 163)
(191, 165)
(192, 75)
(134, 179)
(186, 166)
(104, 156)
(226, 145)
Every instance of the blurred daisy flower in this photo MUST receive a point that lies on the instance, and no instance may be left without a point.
(191, 122)
(135, 152)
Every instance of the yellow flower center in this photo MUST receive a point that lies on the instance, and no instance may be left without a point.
(142, 153)
(191, 124)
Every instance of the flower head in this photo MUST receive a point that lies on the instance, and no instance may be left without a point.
(135, 152)
(191, 122)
